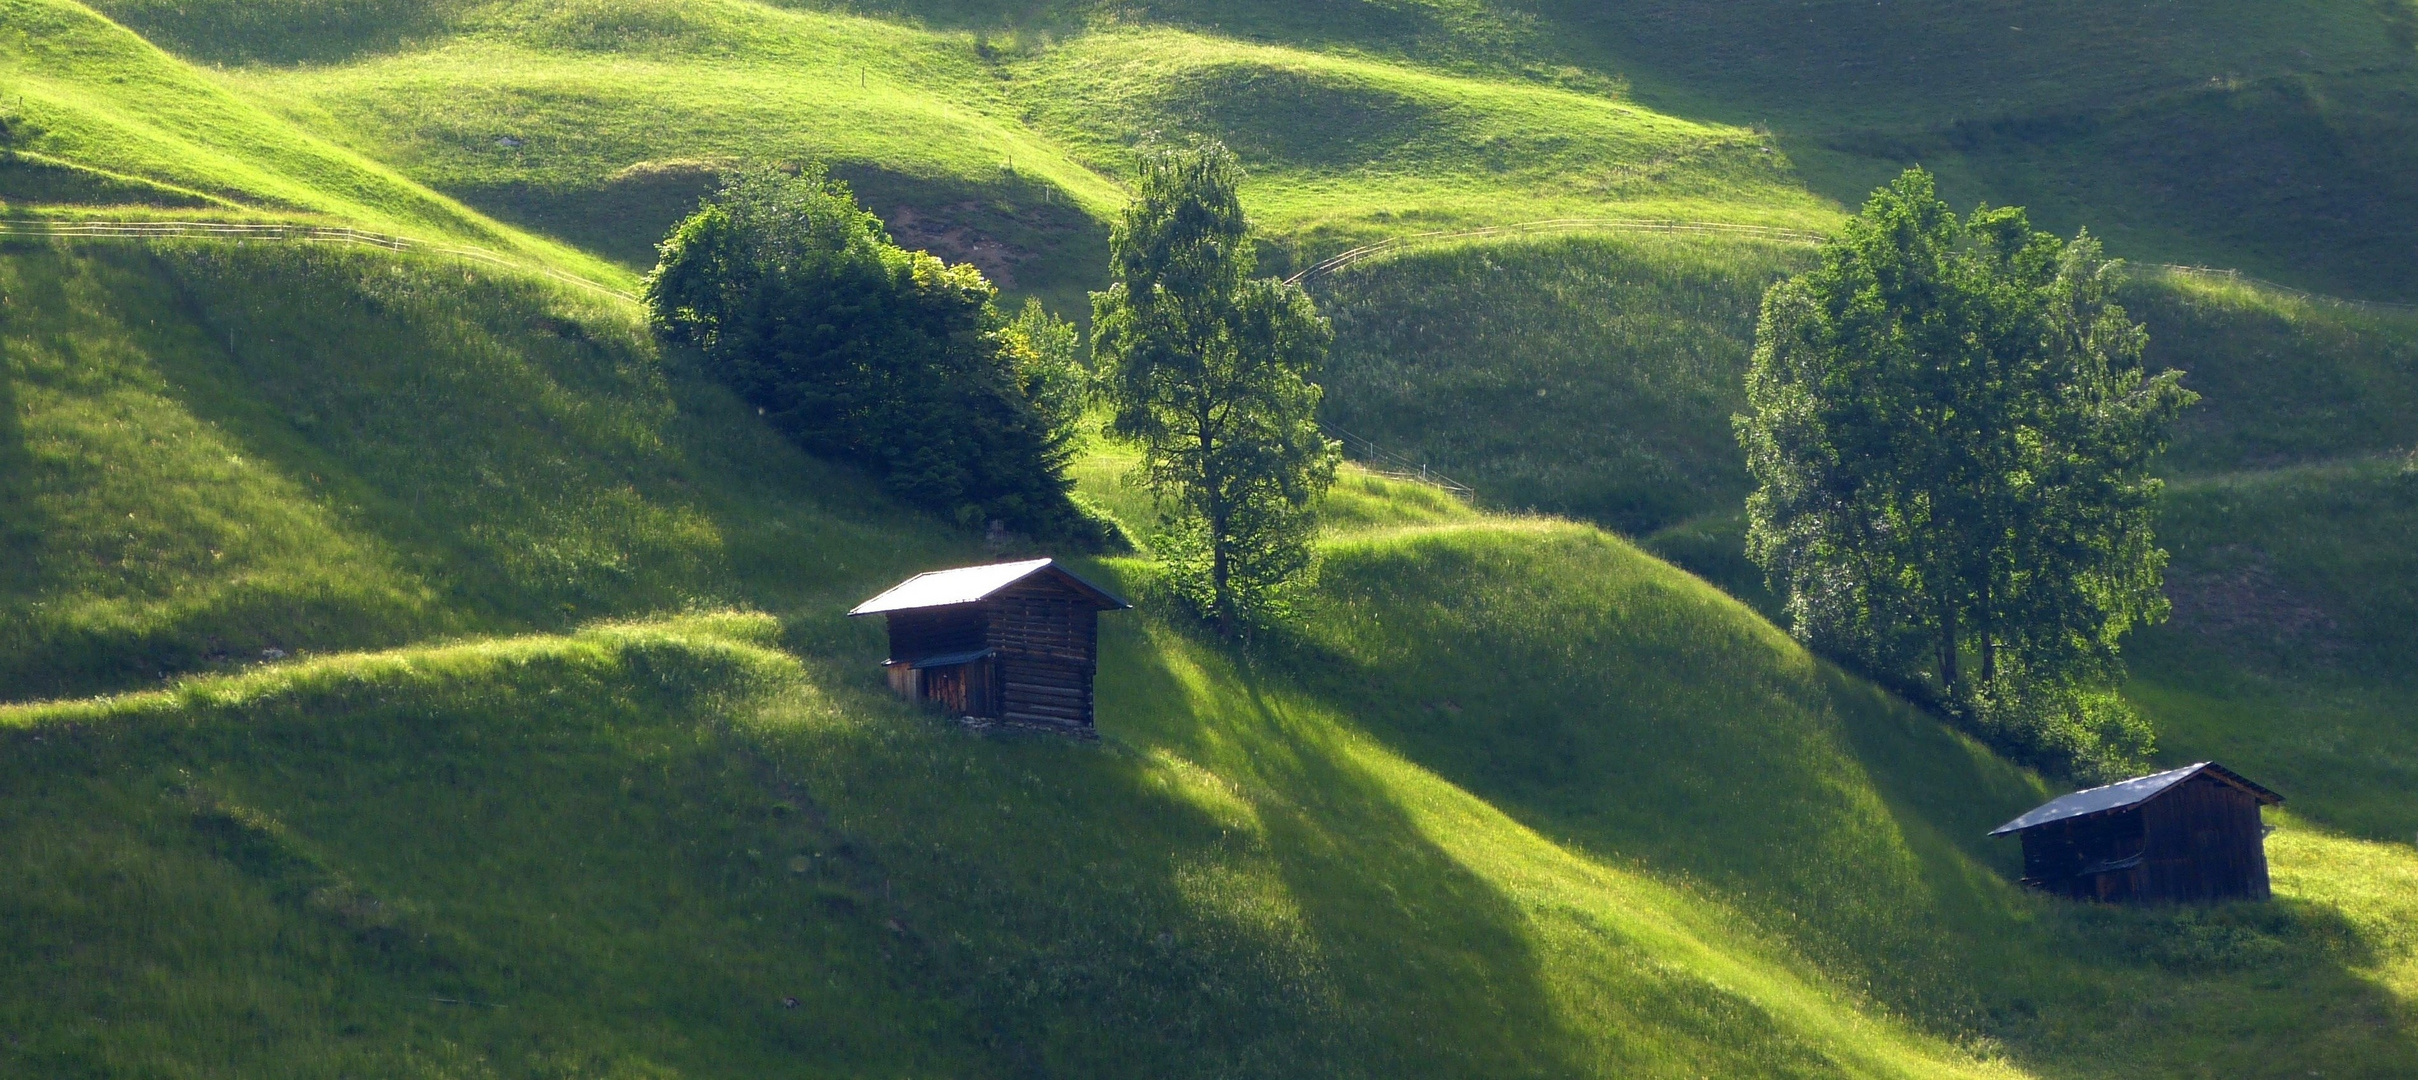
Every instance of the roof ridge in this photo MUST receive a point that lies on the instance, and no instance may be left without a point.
(957, 585)
(2127, 793)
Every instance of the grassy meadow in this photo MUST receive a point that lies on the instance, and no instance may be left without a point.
(1512, 798)
(221, 449)
(414, 671)
(1591, 376)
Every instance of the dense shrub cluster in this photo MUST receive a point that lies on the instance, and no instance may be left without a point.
(862, 351)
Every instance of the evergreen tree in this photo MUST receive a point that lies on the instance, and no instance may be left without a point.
(861, 351)
(1208, 369)
(1950, 428)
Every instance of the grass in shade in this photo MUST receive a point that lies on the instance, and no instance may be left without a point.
(417, 672)
(1511, 798)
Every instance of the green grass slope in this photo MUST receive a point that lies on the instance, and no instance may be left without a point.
(1514, 798)
(2236, 133)
(2296, 595)
(2255, 135)
(599, 122)
(1595, 376)
(1585, 375)
(134, 125)
(213, 450)
(523, 113)
(933, 902)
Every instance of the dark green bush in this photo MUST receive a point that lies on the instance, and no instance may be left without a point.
(862, 351)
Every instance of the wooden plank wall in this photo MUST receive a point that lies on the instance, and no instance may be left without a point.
(2200, 841)
(1047, 638)
(2205, 843)
(964, 689)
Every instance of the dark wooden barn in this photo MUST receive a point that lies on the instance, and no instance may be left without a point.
(1017, 642)
(2188, 835)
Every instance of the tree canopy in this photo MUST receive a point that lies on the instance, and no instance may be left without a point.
(1950, 425)
(860, 350)
(1208, 370)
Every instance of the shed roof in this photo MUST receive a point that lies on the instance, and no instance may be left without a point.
(2125, 794)
(972, 584)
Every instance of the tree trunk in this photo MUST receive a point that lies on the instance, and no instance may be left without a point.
(1220, 594)
(1989, 635)
(1948, 673)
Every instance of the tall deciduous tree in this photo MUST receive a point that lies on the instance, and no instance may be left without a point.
(1208, 370)
(1950, 426)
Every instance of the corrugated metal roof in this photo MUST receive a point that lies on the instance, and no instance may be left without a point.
(2117, 796)
(968, 584)
(951, 659)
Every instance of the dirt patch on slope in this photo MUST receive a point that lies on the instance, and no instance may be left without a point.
(943, 231)
(2241, 601)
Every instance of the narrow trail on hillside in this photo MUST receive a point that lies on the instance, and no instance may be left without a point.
(1341, 260)
(1337, 262)
(102, 229)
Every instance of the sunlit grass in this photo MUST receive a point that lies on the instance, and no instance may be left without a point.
(1511, 798)
(98, 96)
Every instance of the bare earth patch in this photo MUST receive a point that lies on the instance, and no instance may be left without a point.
(2243, 602)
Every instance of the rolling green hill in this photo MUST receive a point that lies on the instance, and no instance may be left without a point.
(420, 674)
(1595, 376)
(638, 838)
(128, 124)
(2240, 134)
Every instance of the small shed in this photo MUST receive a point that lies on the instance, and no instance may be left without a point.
(1017, 642)
(2188, 835)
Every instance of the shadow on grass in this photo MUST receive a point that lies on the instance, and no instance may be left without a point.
(1644, 722)
(283, 31)
(566, 858)
(1426, 967)
(1024, 235)
(487, 454)
(23, 523)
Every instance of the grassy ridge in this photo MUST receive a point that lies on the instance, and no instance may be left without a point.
(597, 122)
(407, 862)
(218, 449)
(2166, 129)
(1595, 375)
(2172, 129)
(2287, 520)
(1004, 122)
(2295, 598)
(96, 96)
(1339, 147)
(1516, 800)
(1418, 808)
(1309, 872)
(1592, 376)
(1415, 856)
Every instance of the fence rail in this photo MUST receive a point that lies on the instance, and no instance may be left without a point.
(314, 234)
(1377, 459)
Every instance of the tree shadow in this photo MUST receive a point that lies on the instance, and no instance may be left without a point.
(23, 522)
(1442, 967)
(488, 454)
(292, 32)
(1843, 821)
(1365, 24)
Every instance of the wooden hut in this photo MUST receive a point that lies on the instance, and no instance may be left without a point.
(1017, 642)
(2188, 835)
